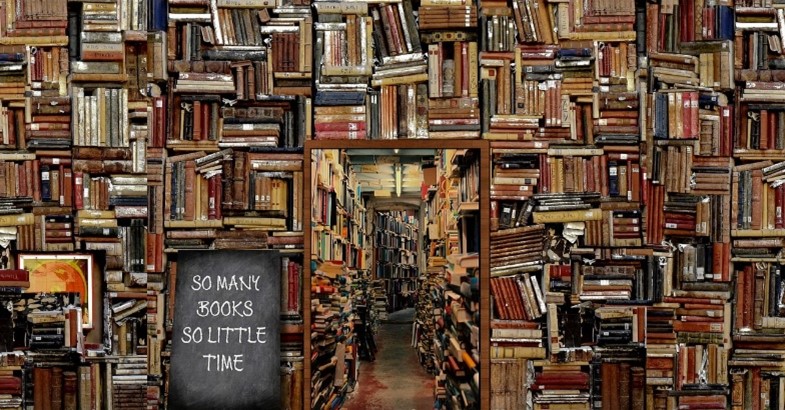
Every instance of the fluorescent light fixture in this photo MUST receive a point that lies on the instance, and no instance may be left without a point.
(398, 179)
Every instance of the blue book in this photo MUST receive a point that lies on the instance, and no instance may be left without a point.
(725, 23)
(158, 15)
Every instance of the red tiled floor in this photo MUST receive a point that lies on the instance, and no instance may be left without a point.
(395, 381)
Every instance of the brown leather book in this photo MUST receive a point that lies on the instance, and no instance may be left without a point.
(756, 387)
(737, 391)
(151, 250)
(102, 153)
(190, 195)
(759, 293)
(69, 390)
(608, 375)
(756, 199)
(103, 166)
(499, 300)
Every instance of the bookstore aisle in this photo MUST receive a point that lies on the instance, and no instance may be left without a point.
(392, 314)
(395, 380)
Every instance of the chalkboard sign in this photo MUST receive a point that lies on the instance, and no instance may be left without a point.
(226, 352)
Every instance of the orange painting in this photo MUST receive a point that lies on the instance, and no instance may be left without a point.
(61, 273)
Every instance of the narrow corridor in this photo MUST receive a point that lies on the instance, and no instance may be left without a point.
(395, 381)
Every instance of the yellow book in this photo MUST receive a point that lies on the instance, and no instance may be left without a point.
(16, 219)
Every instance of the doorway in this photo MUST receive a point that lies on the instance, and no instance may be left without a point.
(394, 278)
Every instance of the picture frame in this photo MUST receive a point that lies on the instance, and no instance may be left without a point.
(71, 272)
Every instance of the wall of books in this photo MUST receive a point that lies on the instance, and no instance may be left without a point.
(636, 193)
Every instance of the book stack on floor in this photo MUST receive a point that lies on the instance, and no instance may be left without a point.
(331, 344)
(379, 294)
(456, 342)
(339, 224)
(425, 307)
(432, 284)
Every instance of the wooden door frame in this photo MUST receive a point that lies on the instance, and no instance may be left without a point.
(485, 306)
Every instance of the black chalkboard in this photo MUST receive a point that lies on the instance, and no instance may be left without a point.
(226, 352)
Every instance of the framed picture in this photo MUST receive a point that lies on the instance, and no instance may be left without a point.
(62, 273)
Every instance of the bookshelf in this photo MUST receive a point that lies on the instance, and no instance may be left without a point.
(338, 240)
(396, 250)
(645, 150)
(431, 279)
(456, 342)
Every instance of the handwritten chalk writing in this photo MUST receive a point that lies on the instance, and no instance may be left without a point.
(200, 282)
(224, 334)
(226, 308)
(226, 282)
(226, 331)
(238, 282)
(192, 335)
(222, 362)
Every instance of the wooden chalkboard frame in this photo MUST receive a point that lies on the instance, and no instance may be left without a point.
(233, 360)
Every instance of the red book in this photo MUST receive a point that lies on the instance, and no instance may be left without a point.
(716, 261)
(352, 135)
(726, 262)
(725, 127)
(748, 296)
(218, 196)
(159, 111)
(40, 24)
(506, 300)
(341, 126)
(212, 190)
(498, 300)
(68, 186)
(197, 121)
(608, 19)
(764, 129)
(13, 275)
(151, 250)
(772, 130)
(294, 285)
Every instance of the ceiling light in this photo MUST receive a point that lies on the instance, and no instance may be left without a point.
(398, 179)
